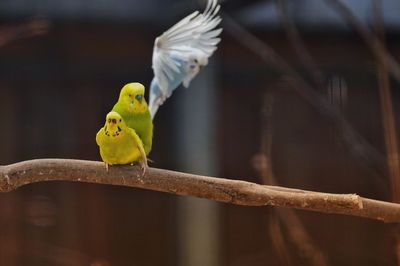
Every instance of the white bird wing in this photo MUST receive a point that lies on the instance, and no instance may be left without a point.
(194, 33)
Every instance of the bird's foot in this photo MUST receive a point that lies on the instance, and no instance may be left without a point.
(143, 167)
(107, 166)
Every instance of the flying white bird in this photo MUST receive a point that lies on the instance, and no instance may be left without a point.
(180, 52)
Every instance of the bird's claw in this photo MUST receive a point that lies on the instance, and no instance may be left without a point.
(143, 167)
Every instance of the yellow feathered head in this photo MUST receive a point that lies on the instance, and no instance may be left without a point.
(115, 125)
(132, 96)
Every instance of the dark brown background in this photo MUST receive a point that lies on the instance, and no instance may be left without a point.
(55, 90)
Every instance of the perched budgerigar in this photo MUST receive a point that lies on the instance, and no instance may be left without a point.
(120, 144)
(132, 106)
(180, 53)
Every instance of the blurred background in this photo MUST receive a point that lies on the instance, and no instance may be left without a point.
(298, 94)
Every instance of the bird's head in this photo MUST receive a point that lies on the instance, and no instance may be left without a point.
(132, 96)
(195, 63)
(199, 59)
(114, 126)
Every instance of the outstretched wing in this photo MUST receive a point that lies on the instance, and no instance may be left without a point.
(194, 34)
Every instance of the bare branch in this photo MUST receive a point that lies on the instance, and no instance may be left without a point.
(388, 118)
(299, 46)
(263, 164)
(34, 27)
(358, 146)
(288, 217)
(371, 40)
(218, 189)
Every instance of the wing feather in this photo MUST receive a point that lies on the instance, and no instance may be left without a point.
(194, 33)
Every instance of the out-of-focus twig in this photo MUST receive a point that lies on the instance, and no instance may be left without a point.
(298, 234)
(336, 94)
(299, 46)
(388, 118)
(371, 40)
(278, 240)
(34, 27)
(263, 164)
(357, 145)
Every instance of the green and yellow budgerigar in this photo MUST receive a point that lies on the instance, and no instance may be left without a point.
(133, 108)
(120, 144)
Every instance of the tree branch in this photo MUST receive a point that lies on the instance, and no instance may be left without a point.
(218, 189)
(34, 27)
(371, 40)
(358, 146)
(294, 227)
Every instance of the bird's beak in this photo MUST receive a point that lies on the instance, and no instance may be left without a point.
(112, 122)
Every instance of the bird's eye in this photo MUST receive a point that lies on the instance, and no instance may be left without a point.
(139, 97)
(120, 120)
(109, 120)
(129, 95)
